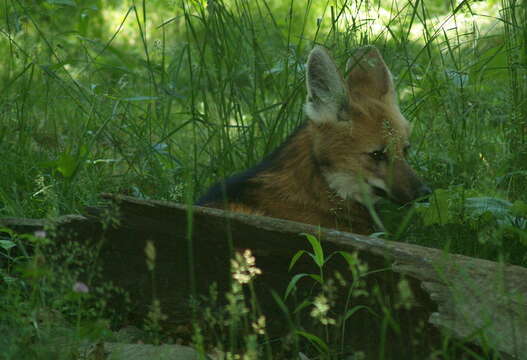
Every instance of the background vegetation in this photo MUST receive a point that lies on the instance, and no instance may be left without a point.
(158, 99)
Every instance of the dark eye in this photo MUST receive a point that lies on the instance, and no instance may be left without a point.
(378, 155)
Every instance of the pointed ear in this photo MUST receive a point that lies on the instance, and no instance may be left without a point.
(326, 90)
(368, 74)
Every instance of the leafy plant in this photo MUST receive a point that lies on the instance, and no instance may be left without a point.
(322, 305)
(496, 223)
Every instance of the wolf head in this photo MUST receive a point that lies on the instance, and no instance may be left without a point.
(360, 137)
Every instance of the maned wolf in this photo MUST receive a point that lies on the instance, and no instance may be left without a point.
(350, 152)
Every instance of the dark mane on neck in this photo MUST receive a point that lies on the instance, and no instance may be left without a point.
(235, 187)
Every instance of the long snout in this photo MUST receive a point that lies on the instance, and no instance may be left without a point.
(405, 185)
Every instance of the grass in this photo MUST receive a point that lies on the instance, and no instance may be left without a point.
(159, 99)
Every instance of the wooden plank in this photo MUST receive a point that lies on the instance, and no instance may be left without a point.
(458, 294)
(471, 296)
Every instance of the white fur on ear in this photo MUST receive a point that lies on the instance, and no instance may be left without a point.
(325, 87)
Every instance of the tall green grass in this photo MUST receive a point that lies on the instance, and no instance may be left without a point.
(159, 99)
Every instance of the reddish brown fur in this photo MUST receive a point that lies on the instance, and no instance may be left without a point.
(297, 190)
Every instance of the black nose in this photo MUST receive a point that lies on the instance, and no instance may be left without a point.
(423, 191)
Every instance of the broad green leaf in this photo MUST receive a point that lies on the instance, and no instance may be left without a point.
(7, 244)
(66, 165)
(350, 258)
(499, 208)
(317, 249)
(7, 231)
(295, 258)
(480, 205)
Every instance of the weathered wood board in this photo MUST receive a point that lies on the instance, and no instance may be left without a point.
(461, 295)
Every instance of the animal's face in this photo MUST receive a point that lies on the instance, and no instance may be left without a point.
(361, 139)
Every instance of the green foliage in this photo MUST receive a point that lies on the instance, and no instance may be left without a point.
(496, 224)
(46, 311)
(322, 300)
(160, 98)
